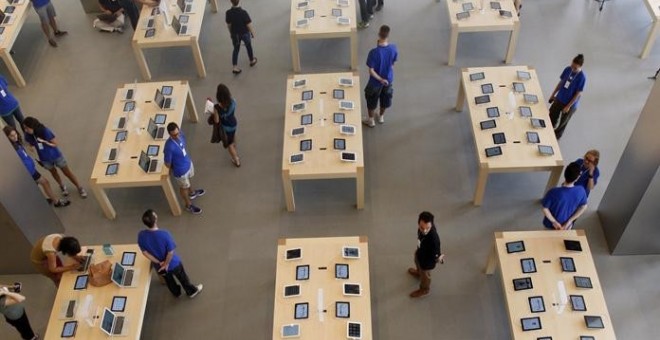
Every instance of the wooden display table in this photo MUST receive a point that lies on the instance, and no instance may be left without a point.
(8, 37)
(322, 290)
(322, 26)
(323, 161)
(559, 320)
(518, 155)
(101, 297)
(138, 139)
(166, 36)
(483, 20)
(654, 10)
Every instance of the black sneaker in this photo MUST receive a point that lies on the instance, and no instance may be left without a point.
(378, 8)
(197, 193)
(61, 203)
(194, 209)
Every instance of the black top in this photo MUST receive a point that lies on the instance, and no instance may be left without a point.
(429, 249)
(111, 5)
(238, 18)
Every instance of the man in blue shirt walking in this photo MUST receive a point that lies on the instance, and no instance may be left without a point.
(9, 108)
(566, 96)
(178, 160)
(381, 75)
(565, 204)
(158, 246)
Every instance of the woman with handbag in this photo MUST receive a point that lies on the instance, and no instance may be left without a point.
(223, 115)
(51, 252)
(112, 18)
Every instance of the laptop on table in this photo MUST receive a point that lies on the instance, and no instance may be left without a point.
(148, 164)
(113, 324)
(123, 277)
(178, 27)
(165, 103)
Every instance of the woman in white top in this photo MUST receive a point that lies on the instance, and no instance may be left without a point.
(50, 250)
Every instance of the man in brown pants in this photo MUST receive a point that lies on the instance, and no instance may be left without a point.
(427, 253)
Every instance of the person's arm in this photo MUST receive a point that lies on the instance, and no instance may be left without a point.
(591, 181)
(575, 216)
(376, 76)
(103, 9)
(216, 116)
(572, 101)
(554, 92)
(150, 257)
(150, 3)
(11, 297)
(251, 29)
(52, 264)
(552, 219)
(166, 264)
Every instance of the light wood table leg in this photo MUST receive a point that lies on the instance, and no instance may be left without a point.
(190, 107)
(555, 174)
(295, 52)
(359, 183)
(453, 41)
(491, 265)
(170, 194)
(650, 40)
(13, 69)
(199, 62)
(354, 49)
(513, 40)
(214, 6)
(288, 191)
(460, 98)
(482, 179)
(142, 61)
(102, 198)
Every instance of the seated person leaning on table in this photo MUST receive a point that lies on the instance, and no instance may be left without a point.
(563, 205)
(14, 312)
(50, 252)
(112, 18)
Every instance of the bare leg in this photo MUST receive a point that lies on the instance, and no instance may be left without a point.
(185, 194)
(372, 113)
(233, 153)
(56, 176)
(382, 111)
(67, 172)
(53, 24)
(49, 191)
(44, 27)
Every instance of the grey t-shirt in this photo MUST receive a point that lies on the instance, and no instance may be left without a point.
(13, 312)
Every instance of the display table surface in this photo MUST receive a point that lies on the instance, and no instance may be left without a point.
(136, 298)
(323, 161)
(483, 19)
(518, 155)
(322, 289)
(8, 37)
(322, 26)
(654, 10)
(138, 139)
(166, 36)
(558, 321)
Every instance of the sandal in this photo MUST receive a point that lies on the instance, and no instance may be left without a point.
(236, 71)
(236, 162)
(253, 62)
(59, 33)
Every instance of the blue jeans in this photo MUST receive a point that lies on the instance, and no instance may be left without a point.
(16, 114)
(236, 41)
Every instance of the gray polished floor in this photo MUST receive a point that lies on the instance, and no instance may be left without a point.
(422, 158)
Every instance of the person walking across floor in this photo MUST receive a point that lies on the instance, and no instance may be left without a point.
(158, 246)
(381, 76)
(241, 30)
(10, 110)
(11, 307)
(427, 254)
(51, 252)
(566, 96)
(224, 115)
(589, 172)
(43, 140)
(179, 162)
(565, 204)
(15, 140)
(46, 12)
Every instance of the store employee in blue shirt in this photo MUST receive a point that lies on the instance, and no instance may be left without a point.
(589, 172)
(178, 160)
(566, 96)
(381, 75)
(563, 205)
(9, 108)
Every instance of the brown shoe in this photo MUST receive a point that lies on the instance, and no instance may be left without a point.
(419, 293)
(413, 272)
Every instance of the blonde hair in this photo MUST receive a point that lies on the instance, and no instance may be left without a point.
(595, 153)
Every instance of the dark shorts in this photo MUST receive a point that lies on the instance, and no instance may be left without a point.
(374, 94)
(36, 176)
(229, 140)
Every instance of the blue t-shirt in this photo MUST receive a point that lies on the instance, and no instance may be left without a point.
(158, 243)
(583, 180)
(381, 59)
(227, 117)
(27, 160)
(46, 153)
(8, 102)
(176, 155)
(39, 3)
(576, 84)
(563, 202)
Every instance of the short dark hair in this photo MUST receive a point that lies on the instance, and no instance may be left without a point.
(235, 2)
(223, 96)
(384, 32)
(171, 127)
(425, 216)
(149, 218)
(69, 246)
(572, 172)
(34, 124)
(579, 59)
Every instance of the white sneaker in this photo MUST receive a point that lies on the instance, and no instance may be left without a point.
(381, 119)
(369, 122)
(199, 289)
